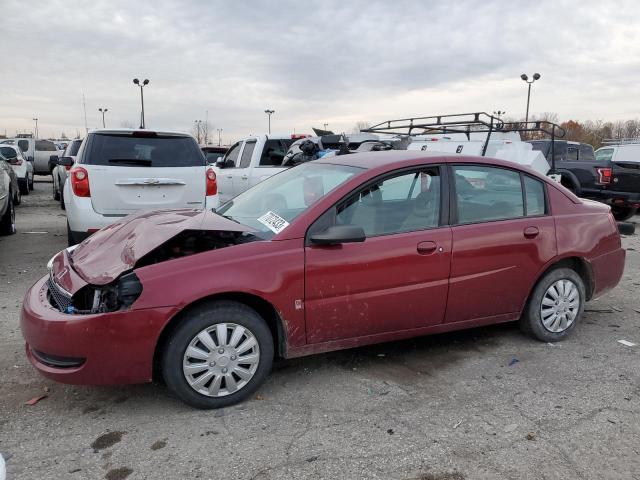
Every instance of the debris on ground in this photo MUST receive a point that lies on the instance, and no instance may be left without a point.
(598, 310)
(459, 423)
(259, 397)
(531, 436)
(627, 343)
(35, 400)
(513, 361)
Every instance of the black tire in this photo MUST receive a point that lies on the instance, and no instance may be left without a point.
(194, 322)
(31, 182)
(8, 220)
(62, 200)
(623, 213)
(17, 197)
(570, 185)
(531, 321)
(71, 240)
(23, 186)
(56, 192)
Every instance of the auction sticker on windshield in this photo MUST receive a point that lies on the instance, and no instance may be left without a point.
(273, 222)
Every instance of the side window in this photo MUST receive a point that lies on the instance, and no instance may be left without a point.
(572, 153)
(233, 152)
(45, 146)
(487, 193)
(604, 154)
(274, 152)
(534, 193)
(586, 153)
(247, 153)
(24, 145)
(402, 203)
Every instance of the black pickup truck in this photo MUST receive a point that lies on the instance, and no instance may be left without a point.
(597, 175)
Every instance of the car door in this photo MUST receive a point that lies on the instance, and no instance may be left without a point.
(225, 175)
(242, 173)
(397, 279)
(502, 236)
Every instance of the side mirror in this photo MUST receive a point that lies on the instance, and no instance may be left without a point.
(65, 161)
(220, 163)
(339, 234)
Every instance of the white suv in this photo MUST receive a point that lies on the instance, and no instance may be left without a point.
(21, 166)
(118, 172)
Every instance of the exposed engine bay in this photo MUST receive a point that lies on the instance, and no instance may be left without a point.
(123, 292)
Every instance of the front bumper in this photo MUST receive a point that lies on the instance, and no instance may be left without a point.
(101, 349)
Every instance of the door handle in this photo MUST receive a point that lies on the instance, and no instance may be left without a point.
(426, 248)
(244, 177)
(531, 232)
(229, 176)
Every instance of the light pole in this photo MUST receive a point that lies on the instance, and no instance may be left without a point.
(36, 120)
(219, 136)
(198, 123)
(325, 126)
(103, 111)
(269, 113)
(536, 76)
(145, 82)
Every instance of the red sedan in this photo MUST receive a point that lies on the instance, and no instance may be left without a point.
(335, 253)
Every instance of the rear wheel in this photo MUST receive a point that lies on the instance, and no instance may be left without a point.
(56, 192)
(555, 306)
(219, 355)
(31, 182)
(623, 213)
(24, 186)
(8, 220)
(17, 197)
(62, 199)
(71, 240)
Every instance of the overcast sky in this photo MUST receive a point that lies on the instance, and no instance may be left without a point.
(335, 62)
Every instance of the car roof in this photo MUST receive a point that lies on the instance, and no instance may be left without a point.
(130, 131)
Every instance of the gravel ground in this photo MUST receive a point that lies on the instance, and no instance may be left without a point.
(483, 403)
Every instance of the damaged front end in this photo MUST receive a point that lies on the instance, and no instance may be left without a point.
(90, 299)
(98, 276)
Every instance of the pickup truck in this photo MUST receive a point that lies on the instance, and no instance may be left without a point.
(606, 175)
(248, 162)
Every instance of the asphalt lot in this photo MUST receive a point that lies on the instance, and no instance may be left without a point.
(484, 403)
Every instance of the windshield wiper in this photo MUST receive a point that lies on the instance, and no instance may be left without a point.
(135, 161)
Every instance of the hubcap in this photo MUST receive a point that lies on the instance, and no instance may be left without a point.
(560, 306)
(221, 359)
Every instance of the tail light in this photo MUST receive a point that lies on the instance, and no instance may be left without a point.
(212, 184)
(80, 182)
(17, 161)
(604, 175)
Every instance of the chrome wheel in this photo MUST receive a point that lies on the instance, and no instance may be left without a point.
(221, 359)
(560, 306)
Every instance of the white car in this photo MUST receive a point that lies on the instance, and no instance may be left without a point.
(20, 165)
(61, 172)
(118, 172)
(37, 151)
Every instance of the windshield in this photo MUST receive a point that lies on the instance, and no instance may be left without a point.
(604, 154)
(271, 205)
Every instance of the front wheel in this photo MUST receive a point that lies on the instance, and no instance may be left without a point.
(219, 355)
(8, 220)
(555, 306)
(623, 213)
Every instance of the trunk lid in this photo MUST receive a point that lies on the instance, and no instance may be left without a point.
(108, 253)
(626, 176)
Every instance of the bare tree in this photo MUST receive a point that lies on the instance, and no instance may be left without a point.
(360, 125)
(201, 130)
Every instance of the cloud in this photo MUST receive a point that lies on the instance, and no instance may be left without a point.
(313, 62)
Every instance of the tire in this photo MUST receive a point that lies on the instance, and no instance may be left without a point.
(62, 200)
(56, 192)
(31, 182)
(204, 319)
(71, 240)
(23, 186)
(555, 330)
(8, 220)
(570, 185)
(623, 213)
(17, 197)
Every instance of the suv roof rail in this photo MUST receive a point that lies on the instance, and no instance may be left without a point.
(620, 141)
(466, 123)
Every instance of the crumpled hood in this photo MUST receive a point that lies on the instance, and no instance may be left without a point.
(108, 253)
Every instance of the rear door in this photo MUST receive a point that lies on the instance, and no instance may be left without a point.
(129, 172)
(503, 234)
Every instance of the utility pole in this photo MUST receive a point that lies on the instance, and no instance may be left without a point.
(36, 120)
(198, 127)
(206, 127)
(325, 126)
(219, 136)
(84, 106)
(269, 113)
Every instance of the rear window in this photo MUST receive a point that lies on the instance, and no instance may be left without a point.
(23, 145)
(44, 146)
(586, 153)
(604, 154)
(156, 151)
